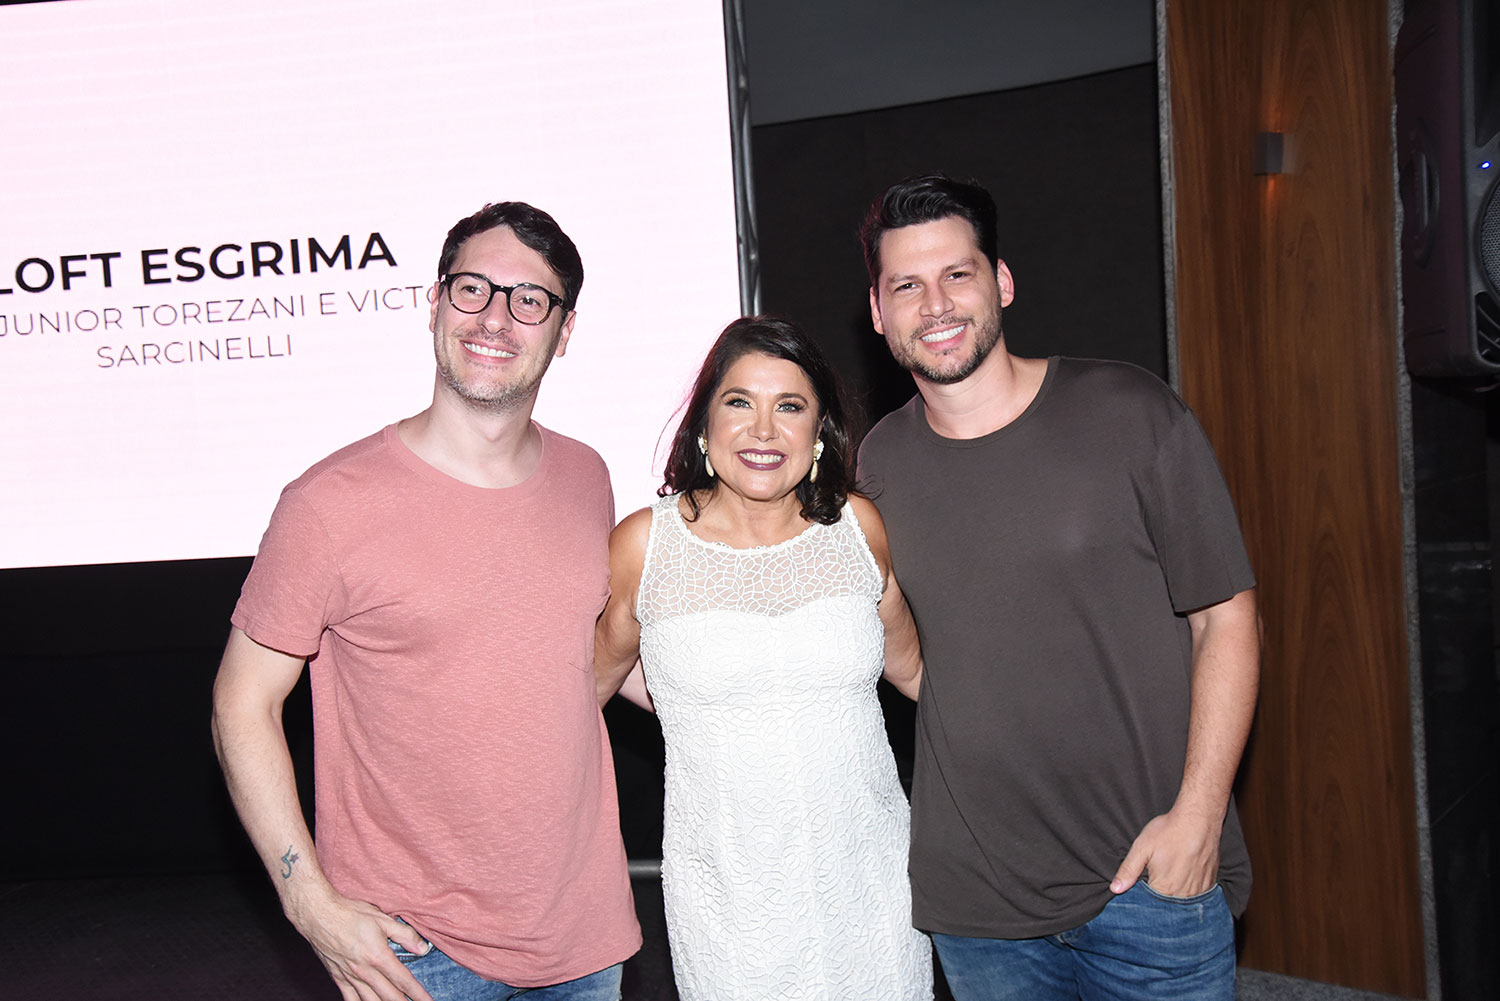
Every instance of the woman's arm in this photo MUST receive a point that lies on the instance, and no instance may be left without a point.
(903, 652)
(617, 634)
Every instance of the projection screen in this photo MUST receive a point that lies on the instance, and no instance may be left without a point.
(219, 223)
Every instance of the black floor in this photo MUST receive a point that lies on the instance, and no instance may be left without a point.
(220, 937)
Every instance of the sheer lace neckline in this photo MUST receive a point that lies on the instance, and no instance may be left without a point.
(682, 525)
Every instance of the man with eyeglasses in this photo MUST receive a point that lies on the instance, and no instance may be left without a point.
(442, 578)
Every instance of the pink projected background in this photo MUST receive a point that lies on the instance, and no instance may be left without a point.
(219, 222)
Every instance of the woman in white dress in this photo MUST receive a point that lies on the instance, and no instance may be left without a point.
(759, 597)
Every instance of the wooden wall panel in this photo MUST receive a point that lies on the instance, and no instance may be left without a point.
(1287, 348)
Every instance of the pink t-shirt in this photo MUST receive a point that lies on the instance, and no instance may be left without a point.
(463, 773)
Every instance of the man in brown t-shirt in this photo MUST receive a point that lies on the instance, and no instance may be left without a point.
(1087, 617)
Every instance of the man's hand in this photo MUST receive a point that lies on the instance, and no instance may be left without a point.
(1178, 851)
(349, 936)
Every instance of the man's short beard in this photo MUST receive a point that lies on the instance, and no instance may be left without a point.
(989, 337)
(489, 399)
(503, 401)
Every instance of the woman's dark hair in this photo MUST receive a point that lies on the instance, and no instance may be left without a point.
(822, 501)
(929, 198)
(535, 229)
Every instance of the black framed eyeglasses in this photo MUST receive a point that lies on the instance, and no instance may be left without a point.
(529, 304)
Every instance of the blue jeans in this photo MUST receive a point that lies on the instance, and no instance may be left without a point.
(445, 980)
(1142, 945)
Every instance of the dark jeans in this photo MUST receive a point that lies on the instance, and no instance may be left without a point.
(445, 980)
(1143, 945)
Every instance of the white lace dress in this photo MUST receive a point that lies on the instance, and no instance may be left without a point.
(785, 836)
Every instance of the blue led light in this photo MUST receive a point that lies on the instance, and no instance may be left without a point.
(1485, 165)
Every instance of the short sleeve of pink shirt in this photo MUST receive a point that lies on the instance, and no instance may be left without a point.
(463, 773)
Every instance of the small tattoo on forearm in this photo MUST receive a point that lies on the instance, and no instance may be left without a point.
(287, 861)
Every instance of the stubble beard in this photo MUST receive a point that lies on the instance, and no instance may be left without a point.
(490, 398)
(987, 334)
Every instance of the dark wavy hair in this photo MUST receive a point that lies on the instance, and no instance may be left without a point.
(535, 229)
(929, 198)
(822, 501)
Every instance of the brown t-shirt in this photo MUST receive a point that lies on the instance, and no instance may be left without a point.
(1049, 566)
(463, 773)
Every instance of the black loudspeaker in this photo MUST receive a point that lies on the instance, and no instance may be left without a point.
(1448, 147)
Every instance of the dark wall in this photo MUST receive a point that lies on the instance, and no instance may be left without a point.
(836, 57)
(1074, 168)
(1456, 459)
(108, 671)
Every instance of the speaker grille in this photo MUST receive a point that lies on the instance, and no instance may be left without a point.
(1487, 299)
(1487, 328)
(1489, 242)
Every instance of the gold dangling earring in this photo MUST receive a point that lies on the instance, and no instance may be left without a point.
(812, 474)
(703, 447)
